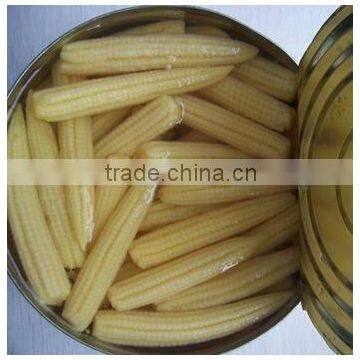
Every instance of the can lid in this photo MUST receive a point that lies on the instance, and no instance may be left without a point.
(325, 132)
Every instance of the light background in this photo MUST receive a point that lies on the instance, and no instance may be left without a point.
(30, 29)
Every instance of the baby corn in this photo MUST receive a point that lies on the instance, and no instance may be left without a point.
(237, 283)
(75, 142)
(43, 145)
(106, 199)
(119, 54)
(148, 328)
(146, 124)
(103, 262)
(35, 246)
(206, 30)
(103, 123)
(96, 96)
(247, 100)
(202, 195)
(198, 231)
(161, 214)
(160, 27)
(197, 136)
(233, 129)
(188, 150)
(127, 269)
(268, 76)
(159, 283)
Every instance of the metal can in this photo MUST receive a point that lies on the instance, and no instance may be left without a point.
(38, 71)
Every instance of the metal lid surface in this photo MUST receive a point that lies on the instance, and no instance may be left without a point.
(325, 132)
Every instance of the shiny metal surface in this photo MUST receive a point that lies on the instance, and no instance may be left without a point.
(325, 132)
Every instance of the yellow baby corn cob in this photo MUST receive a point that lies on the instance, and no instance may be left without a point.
(106, 199)
(118, 54)
(146, 124)
(159, 283)
(148, 328)
(75, 142)
(32, 237)
(160, 27)
(96, 96)
(237, 283)
(198, 231)
(43, 145)
(206, 30)
(127, 269)
(106, 257)
(197, 136)
(207, 194)
(188, 150)
(268, 76)
(233, 129)
(247, 100)
(103, 123)
(161, 214)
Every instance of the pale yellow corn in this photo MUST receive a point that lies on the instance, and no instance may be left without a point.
(96, 96)
(200, 230)
(255, 104)
(119, 54)
(127, 269)
(75, 142)
(148, 328)
(146, 124)
(161, 214)
(160, 27)
(268, 76)
(159, 283)
(233, 129)
(106, 257)
(43, 145)
(206, 30)
(35, 246)
(102, 124)
(197, 136)
(237, 283)
(207, 194)
(188, 150)
(107, 198)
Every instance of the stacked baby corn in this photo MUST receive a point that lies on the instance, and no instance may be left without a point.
(206, 261)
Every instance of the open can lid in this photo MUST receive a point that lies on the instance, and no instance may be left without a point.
(325, 100)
